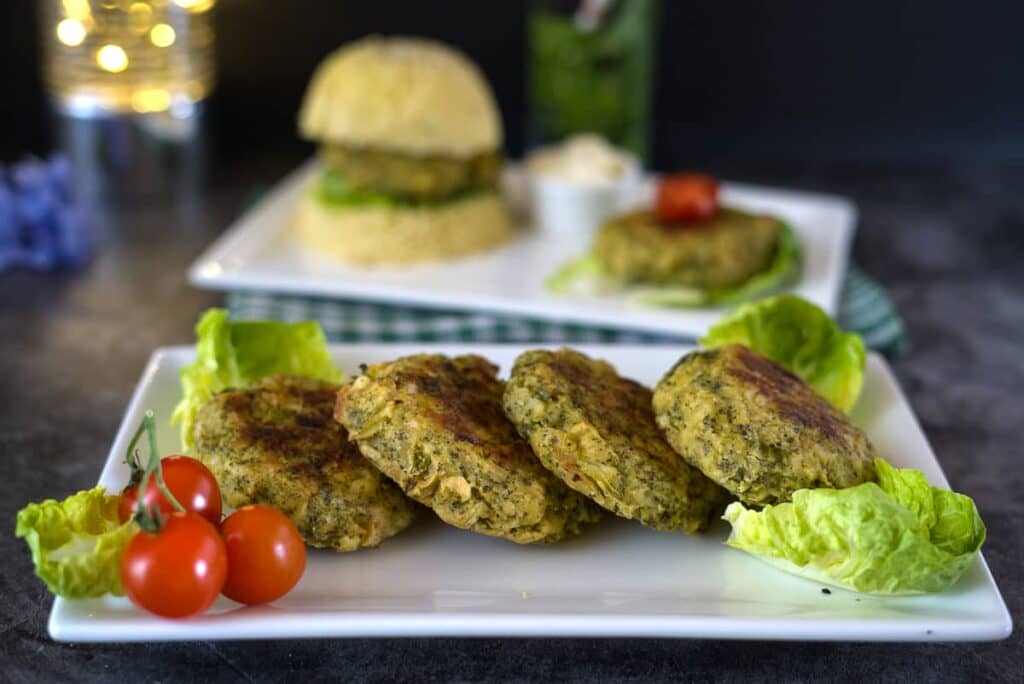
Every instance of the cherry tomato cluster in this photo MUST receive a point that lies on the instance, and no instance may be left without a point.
(185, 556)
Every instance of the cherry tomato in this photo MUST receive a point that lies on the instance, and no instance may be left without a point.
(687, 198)
(178, 571)
(266, 555)
(191, 483)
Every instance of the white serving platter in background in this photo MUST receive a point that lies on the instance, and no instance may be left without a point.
(259, 252)
(618, 579)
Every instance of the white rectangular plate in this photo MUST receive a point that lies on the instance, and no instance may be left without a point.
(259, 252)
(617, 579)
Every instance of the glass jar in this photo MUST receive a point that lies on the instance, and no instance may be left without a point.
(143, 56)
(128, 79)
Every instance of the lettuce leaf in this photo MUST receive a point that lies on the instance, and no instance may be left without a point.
(803, 339)
(77, 543)
(584, 275)
(951, 518)
(237, 353)
(900, 536)
(332, 190)
(587, 275)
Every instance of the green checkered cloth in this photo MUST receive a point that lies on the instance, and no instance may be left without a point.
(864, 308)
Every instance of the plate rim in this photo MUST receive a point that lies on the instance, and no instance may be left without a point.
(370, 624)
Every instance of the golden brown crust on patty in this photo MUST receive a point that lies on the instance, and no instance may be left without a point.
(276, 443)
(756, 429)
(793, 399)
(435, 425)
(596, 431)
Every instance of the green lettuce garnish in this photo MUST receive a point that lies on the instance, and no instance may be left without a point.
(587, 275)
(802, 338)
(900, 536)
(77, 543)
(584, 275)
(331, 189)
(237, 353)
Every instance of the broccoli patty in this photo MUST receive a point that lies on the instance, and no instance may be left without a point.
(723, 251)
(756, 429)
(596, 431)
(435, 426)
(411, 177)
(276, 443)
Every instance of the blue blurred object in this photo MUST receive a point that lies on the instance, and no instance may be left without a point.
(42, 226)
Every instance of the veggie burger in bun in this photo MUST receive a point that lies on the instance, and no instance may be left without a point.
(410, 141)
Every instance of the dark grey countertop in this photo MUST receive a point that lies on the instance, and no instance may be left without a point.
(948, 242)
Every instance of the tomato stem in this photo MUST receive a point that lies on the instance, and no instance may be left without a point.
(131, 456)
(154, 456)
(149, 519)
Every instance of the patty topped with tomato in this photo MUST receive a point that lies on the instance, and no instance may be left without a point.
(688, 239)
(276, 443)
(722, 251)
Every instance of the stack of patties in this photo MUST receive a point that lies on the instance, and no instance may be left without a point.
(435, 426)
(410, 142)
(756, 429)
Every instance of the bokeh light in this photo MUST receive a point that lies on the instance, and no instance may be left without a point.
(71, 32)
(162, 35)
(112, 58)
(141, 15)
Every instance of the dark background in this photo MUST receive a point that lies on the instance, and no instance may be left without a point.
(872, 80)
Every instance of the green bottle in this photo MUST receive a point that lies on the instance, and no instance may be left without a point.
(590, 68)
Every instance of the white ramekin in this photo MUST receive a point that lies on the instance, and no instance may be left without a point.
(574, 210)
